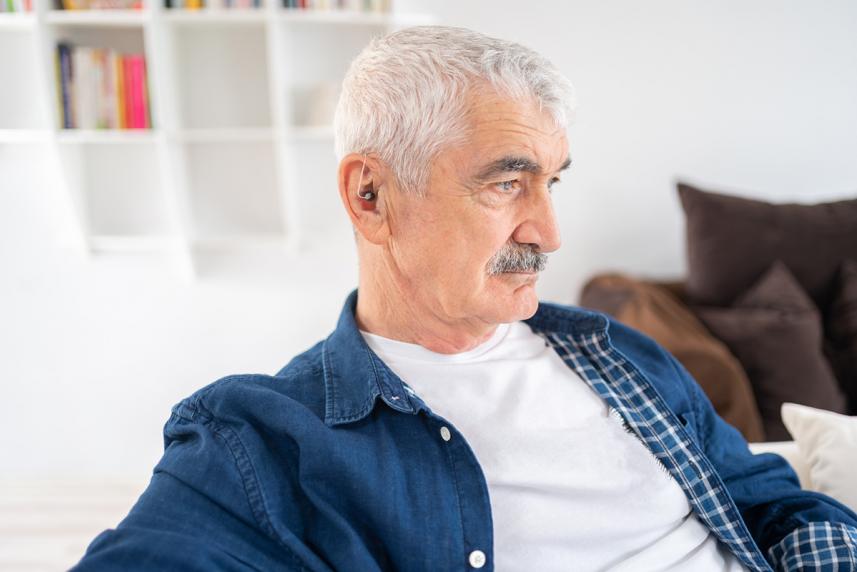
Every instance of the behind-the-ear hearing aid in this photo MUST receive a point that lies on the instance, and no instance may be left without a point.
(369, 194)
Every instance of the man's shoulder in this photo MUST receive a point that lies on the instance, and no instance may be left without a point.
(298, 387)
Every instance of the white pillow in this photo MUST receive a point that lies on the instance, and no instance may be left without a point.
(828, 443)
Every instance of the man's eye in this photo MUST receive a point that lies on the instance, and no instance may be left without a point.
(553, 182)
(508, 186)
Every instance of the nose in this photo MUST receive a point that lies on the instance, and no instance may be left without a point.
(538, 226)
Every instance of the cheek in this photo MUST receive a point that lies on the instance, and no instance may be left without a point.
(456, 247)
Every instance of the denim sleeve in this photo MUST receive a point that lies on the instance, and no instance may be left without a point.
(195, 513)
(796, 529)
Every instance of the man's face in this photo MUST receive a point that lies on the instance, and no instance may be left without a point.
(487, 194)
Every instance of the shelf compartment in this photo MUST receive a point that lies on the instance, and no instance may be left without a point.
(221, 75)
(232, 191)
(311, 85)
(118, 189)
(106, 52)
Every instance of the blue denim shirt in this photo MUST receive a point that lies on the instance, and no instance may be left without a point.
(335, 464)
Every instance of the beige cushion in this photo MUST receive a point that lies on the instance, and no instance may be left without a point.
(828, 443)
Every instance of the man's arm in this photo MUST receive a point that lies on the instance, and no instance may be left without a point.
(201, 510)
(796, 529)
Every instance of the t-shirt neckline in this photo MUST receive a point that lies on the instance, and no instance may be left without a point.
(387, 347)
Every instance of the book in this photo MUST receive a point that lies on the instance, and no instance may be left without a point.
(64, 57)
(100, 88)
(101, 4)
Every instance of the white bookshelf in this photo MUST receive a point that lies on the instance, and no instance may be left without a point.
(241, 104)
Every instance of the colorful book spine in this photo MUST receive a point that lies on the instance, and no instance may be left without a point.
(128, 88)
(119, 86)
(101, 89)
(144, 94)
(77, 86)
(64, 55)
(137, 98)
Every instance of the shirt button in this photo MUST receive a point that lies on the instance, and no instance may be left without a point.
(477, 559)
(444, 432)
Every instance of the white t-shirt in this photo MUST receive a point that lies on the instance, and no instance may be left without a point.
(570, 488)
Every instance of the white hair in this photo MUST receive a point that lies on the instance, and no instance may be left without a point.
(404, 96)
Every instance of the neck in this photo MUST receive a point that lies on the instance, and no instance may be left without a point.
(390, 308)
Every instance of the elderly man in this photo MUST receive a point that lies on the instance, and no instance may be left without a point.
(451, 422)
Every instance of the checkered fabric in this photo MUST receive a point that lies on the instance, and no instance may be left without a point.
(625, 389)
(819, 547)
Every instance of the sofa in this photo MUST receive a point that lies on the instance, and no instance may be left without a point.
(765, 320)
(767, 313)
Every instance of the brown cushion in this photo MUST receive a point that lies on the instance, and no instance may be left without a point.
(655, 311)
(842, 332)
(775, 331)
(731, 241)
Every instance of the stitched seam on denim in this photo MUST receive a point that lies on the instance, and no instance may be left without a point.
(381, 386)
(414, 407)
(193, 404)
(699, 460)
(327, 368)
(249, 480)
(362, 411)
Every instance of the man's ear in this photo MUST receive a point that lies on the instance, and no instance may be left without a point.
(362, 189)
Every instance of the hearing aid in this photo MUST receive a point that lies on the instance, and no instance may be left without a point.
(368, 195)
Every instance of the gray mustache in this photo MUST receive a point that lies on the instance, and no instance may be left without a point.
(516, 257)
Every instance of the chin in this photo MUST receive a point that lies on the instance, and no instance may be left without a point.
(514, 305)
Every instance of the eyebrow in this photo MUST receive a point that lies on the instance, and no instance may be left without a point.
(515, 164)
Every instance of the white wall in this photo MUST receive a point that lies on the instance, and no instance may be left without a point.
(758, 97)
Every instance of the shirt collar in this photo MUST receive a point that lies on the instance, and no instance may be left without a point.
(354, 376)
